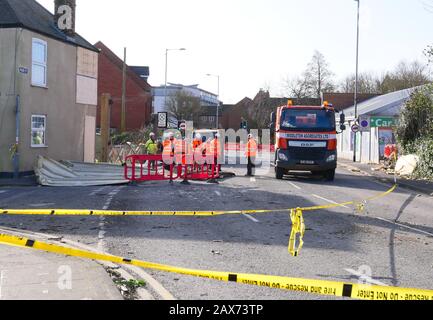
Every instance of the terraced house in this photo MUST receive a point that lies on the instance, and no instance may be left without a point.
(48, 86)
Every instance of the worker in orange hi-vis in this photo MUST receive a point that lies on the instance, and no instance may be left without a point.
(169, 146)
(251, 153)
(199, 150)
(197, 142)
(213, 152)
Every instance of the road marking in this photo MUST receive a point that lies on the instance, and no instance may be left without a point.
(327, 200)
(94, 193)
(404, 226)
(367, 279)
(40, 205)
(294, 185)
(102, 232)
(253, 179)
(218, 193)
(3, 191)
(251, 218)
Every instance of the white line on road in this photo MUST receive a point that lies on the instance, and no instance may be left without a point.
(404, 226)
(102, 232)
(251, 218)
(294, 185)
(94, 193)
(327, 200)
(218, 193)
(3, 191)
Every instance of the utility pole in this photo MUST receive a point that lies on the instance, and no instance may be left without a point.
(218, 97)
(356, 82)
(166, 74)
(123, 115)
(105, 125)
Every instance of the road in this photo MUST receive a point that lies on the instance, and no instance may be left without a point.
(340, 243)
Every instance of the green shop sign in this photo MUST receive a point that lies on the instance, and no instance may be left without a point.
(383, 122)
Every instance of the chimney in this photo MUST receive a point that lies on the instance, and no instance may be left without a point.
(64, 16)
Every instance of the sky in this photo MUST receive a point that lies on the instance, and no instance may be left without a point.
(254, 44)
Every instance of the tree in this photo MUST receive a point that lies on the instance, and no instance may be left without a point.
(318, 76)
(429, 53)
(260, 110)
(415, 130)
(367, 83)
(406, 75)
(296, 87)
(184, 106)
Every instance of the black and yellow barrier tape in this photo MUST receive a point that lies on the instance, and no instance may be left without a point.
(81, 212)
(317, 287)
(296, 215)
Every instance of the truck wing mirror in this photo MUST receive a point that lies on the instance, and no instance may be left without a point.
(342, 118)
(343, 127)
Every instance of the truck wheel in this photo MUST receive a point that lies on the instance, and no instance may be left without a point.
(279, 173)
(330, 175)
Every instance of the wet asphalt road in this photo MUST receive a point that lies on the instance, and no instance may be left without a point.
(338, 242)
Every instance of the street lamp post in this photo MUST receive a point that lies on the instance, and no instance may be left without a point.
(356, 80)
(166, 72)
(218, 98)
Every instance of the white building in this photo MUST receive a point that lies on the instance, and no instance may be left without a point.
(382, 114)
(207, 98)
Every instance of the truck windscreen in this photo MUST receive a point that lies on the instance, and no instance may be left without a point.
(308, 120)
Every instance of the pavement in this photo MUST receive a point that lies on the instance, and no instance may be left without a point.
(425, 187)
(35, 275)
(20, 182)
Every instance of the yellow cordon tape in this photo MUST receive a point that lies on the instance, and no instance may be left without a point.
(80, 212)
(296, 215)
(318, 287)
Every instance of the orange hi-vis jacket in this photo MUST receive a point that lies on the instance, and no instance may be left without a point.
(169, 147)
(213, 148)
(196, 143)
(183, 152)
(251, 148)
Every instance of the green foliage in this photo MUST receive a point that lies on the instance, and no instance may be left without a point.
(131, 284)
(134, 137)
(425, 152)
(416, 120)
(415, 131)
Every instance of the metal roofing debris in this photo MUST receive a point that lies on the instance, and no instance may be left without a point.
(77, 174)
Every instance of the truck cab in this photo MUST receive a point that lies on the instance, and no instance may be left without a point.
(305, 140)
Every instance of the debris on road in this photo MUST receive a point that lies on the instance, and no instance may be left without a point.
(77, 174)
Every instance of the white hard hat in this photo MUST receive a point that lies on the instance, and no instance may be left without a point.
(171, 135)
(198, 136)
(217, 135)
(152, 134)
(250, 136)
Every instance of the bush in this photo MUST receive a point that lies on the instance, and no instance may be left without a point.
(425, 152)
(134, 137)
(415, 130)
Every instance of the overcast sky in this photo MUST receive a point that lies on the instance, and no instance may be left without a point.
(253, 44)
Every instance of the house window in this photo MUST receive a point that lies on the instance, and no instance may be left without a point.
(39, 126)
(39, 63)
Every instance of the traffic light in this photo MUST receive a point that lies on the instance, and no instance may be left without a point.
(181, 125)
(244, 125)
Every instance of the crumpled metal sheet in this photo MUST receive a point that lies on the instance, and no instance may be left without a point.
(77, 174)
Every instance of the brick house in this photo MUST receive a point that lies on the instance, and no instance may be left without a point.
(342, 101)
(138, 91)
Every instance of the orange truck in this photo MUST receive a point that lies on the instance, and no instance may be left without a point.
(306, 139)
